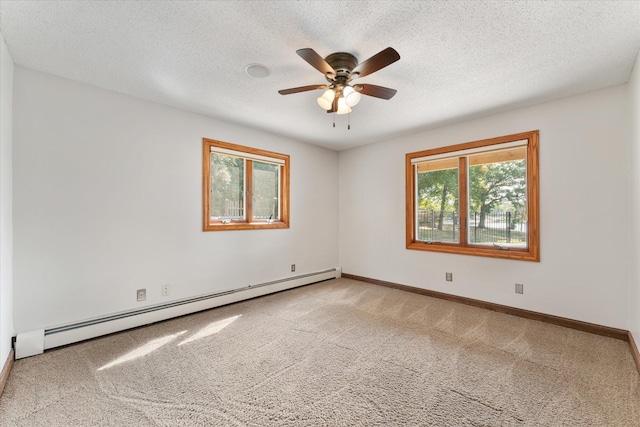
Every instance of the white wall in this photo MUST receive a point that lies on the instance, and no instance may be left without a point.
(583, 206)
(6, 222)
(107, 199)
(634, 196)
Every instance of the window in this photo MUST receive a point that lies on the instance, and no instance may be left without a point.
(244, 188)
(478, 198)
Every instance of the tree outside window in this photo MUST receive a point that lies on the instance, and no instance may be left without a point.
(477, 198)
(244, 188)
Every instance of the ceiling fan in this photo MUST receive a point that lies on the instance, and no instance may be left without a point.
(340, 69)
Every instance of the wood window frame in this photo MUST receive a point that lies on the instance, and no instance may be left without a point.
(248, 223)
(531, 253)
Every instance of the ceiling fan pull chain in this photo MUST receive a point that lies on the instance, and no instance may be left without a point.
(349, 121)
(334, 119)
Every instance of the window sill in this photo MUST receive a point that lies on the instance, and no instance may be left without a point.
(530, 254)
(245, 226)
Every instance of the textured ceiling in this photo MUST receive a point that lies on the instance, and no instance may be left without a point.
(459, 59)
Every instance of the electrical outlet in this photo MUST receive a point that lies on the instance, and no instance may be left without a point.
(519, 288)
(449, 277)
(142, 294)
(293, 267)
(165, 290)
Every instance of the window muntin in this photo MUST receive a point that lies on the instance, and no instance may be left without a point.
(496, 211)
(244, 187)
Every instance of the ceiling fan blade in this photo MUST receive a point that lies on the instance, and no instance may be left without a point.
(376, 91)
(300, 89)
(377, 61)
(315, 60)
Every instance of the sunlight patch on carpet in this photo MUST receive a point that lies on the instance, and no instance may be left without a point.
(144, 350)
(211, 329)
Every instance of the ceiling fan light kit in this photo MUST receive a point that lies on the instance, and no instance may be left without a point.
(343, 108)
(326, 100)
(340, 69)
(350, 95)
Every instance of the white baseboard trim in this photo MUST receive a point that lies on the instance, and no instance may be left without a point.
(27, 345)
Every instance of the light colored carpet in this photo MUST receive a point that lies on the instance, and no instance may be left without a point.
(337, 353)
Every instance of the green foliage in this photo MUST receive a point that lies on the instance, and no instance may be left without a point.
(438, 189)
(227, 187)
(227, 182)
(265, 190)
(495, 184)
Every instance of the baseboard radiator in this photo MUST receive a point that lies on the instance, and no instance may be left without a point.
(35, 342)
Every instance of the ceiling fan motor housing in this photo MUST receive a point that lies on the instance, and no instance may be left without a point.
(343, 63)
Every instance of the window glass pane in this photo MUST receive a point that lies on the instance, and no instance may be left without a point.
(437, 218)
(227, 187)
(498, 198)
(266, 190)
